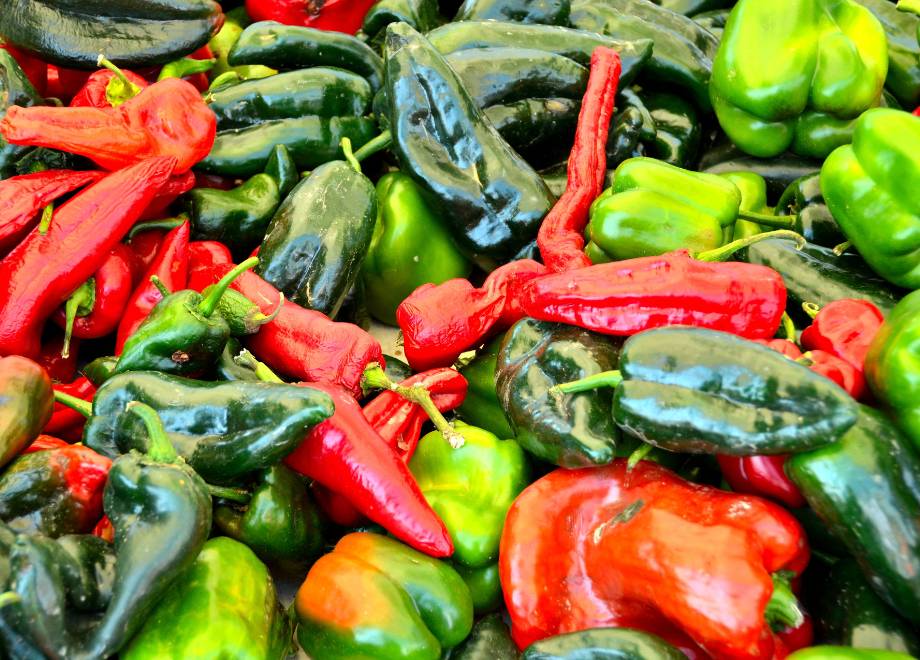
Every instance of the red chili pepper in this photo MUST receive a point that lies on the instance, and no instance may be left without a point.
(67, 423)
(169, 193)
(93, 93)
(337, 507)
(626, 297)
(335, 15)
(203, 254)
(51, 358)
(299, 343)
(844, 328)
(167, 117)
(104, 529)
(22, 197)
(146, 245)
(36, 70)
(43, 442)
(439, 322)
(561, 237)
(43, 271)
(171, 267)
(65, 83)
(763, 476)
(346, 453)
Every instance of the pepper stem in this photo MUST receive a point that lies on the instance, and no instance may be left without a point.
(118, 92)
(162, 288)
(379, 143)
(780, 222)
(228, 77)
(9, 598)
(842, 247)
(85, 408)
(161, 449)
(45, 223)
(248, 361)
(785, 322)
(783, 608)
(811, 309)
(349, 154)
(185, 67)
(166, 223)
(374, 378)
(235, 494)
(723, 253)
(209, 304)
(80, 303)
(912, 6)
(637, 456)
(603, 379)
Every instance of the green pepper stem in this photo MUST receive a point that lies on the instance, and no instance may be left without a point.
(261, 319)
(162, 288)
(80, 303)
(209, 304)
(114, 95)
(235, 494)
(166, 223)
(161, 449)
(85, 408)
(637, 456)
(723, 253)
(811, 309)
(45, 224)
(374, 378)
(788, 327)
(842, 247)
(185, 67)
(603, 379)
(9, 598)
(806, 359)
(379, 143)
(783, 608)
(231, 77)
(912, 6)
(248, 361)
(780, 222)
(349, 154)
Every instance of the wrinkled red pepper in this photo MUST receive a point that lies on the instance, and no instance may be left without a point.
(67, 423)
(169, 193)
(830, 366)
(844, 328)
(603, 547)
(43, 271)
(93, 93)
(439, 322)
(561, 237)
(346, 454)
(166, 118)
(335, 15)
(51, 358)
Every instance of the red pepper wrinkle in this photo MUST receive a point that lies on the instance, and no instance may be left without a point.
(347, 455)
(561, 237)
(844, 328)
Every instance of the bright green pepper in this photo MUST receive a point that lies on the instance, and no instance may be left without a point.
(753, 198)
(804, 200)
(845, 653)
(795, 75)
(235, 21)
(677, 129)
(871, 188)
(485, 586)
(409, 248)
(225, 606)
(481, 407)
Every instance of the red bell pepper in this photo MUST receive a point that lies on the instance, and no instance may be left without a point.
(166, 118)
(346, 454)
(561, 237)
(439, 322)
(64, 84)
(762, 476)
(43, 442)
(99, 88)
(42, 271)
(335, 15)
(603, 547)
(171, 267)
(60, 367)
(845, 374)
(844, 328)
(67, 423)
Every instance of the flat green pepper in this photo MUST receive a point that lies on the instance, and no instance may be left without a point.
(624, 135)
(481, 406)
(551, 12)
(235, 21)
(225, 606)
(490, 640)
(26, 405)
(603, 644)
(677, 129)
(409, 248)
(695, 8)
(813, 221)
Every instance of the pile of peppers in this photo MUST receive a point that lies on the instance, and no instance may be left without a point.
(467, 330)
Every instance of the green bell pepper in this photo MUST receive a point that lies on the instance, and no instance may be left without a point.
(572, 430)
(481, 406)
(375, 598)
(844, 653)
(677, 129)
(235, 21)
(696, 8)
(846, 611)
(903, 78)
(870, 189)
(804, 200)
(409, 248)
(865, 488)
(26, 405)
(794, 77)
(471, 490)
(753, 198)
(490, 640)
(225, 606)
(603, 644)
(280, 522)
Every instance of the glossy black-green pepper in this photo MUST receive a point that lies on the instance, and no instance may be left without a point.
(813, 220)
(540, 130)
(421, 15)
(545, 12)
(490, 639)
(603, 644)
(678, 130)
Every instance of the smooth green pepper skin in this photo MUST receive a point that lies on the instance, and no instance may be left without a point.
(678, 130)
(224, 430)
(490, 640)
(814, 221)
(15, 89)
(713, 21)
(570, 430)
(280, 523)
(870, 188)
(235, 21)
(624, 135)
(26, 405)
(318, 238)
(820, 538)
(481, 406)
(864, 487)
(320, 91)
(753, 198)
(603, 644)
(282, 168)
(630, 98)
(704, 391)
(683, 52)
(900, 27)
(226, 606)
(772, 74)
(540, 130)
(390, 602)
(846, 611)
(409, 248)
(294, 47)
(844, 653)
(544, 12)
(485, 587)
(421, 15)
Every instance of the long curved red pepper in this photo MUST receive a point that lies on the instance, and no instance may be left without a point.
(67, 423)
(166, 118)
(42, 271)
(171, 267)
(561, 237)
(169, 193)
(346, 454)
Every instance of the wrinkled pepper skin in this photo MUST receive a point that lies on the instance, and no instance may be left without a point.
(409, 248)
(703, 391)
(832, 67)
(26, 405)
(599, 547)
(54, 492)
(489, 640)
(603, 644)
(869, 189)
(225, 606)
(570, 430)
(280, 523)
(491, 208)
(864, 488)
(481, 406)
(375, 598)
(814, 221)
